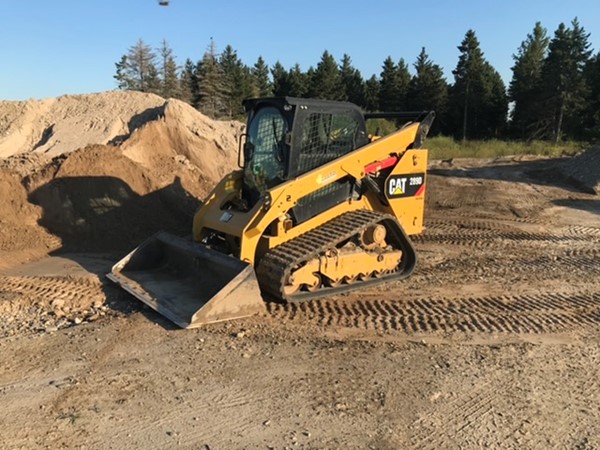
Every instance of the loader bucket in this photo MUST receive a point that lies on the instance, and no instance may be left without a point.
(188, 283)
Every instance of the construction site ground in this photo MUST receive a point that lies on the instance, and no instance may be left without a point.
(494, 342)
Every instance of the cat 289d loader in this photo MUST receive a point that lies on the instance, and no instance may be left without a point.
(319, 207)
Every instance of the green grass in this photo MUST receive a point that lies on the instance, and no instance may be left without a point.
(442, 147)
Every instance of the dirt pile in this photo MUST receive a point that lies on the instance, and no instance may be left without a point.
(584, 170)
(59, 125)
(104, 171)
(21, 238)
(185, 137)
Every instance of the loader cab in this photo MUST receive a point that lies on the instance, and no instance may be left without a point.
(287, 137)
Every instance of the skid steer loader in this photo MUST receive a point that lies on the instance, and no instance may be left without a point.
(318, 207)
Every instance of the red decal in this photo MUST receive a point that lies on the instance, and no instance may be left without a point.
(380, 165)
(421, 190)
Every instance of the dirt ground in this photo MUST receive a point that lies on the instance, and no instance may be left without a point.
(494, 342)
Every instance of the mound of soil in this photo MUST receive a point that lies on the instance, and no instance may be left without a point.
(59, 125)
(105, 171)
(21, 238)
(185, 137)
(99, 199)
(584, 170)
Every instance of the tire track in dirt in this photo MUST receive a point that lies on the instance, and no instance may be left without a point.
(584, 261)
(229, 414)
(53, 288)
(470, 224)
(541, 313)
(485, 415)
(450, 421)
(488, 238)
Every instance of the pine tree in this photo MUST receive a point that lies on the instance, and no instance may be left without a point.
(188, 82)
(297, 81)
(170, 81)
(153, 81)
(394, 82)
(592, 111)
(574, 123)
(352, 82)
(467, 87)
(388, 86)
(123, 80)
(212, 92)
(260, 75)
(563, 81)
(372, 94)
(525, 87)
(325, 82)
(478, 101)
(428, 90)
(403, 84)
(238, 82)
(496, 104)
(281, 85)
(137, 69)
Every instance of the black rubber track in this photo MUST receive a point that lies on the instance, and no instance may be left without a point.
(276, 265)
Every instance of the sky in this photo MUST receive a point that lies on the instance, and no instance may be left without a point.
(52, 48)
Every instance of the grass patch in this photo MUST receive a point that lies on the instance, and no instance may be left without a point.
(441, 147)
(444, 147)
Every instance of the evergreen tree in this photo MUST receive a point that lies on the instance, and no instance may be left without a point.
(137, 69)
(592, 111)
(239, 82)
(281, 86)
(372, 94)
(428, 90)
(325, 81)
(525, 87)
(212, 91)
(123, 80)
(403, 84)
(260, 74)
(496, 106)
(170, 81)
(352, 82)
(563, 81)
(153, 81)
(188, 82)
(394, 82)
(297, 82)
(197, 98)
(478, 100)
(388, 86)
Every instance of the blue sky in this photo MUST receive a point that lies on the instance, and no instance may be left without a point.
(50, 48)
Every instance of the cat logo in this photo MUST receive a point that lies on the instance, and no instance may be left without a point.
(405, 185)
(397, 186)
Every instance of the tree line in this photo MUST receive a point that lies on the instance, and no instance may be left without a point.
(554, 92)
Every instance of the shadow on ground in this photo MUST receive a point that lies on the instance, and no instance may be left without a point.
(100, 219)
(587, 205)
